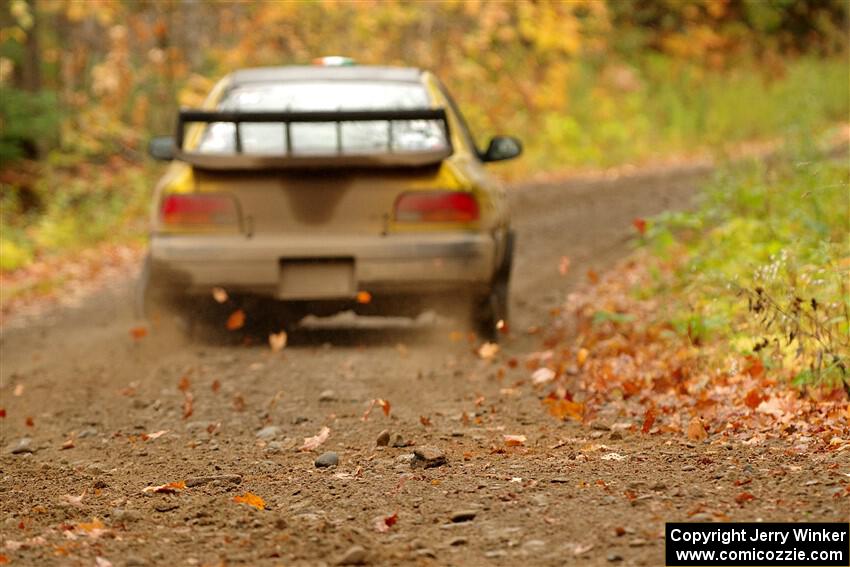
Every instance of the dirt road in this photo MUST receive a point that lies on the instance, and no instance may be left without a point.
(84, 404)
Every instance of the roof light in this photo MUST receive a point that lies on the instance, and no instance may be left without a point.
(334, 61)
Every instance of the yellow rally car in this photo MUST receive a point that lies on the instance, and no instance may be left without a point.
(313, 189)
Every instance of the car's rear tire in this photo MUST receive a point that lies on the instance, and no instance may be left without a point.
(490, 312)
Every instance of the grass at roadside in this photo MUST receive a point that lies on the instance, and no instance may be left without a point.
(764, 264)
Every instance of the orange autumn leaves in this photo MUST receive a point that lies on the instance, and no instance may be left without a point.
(250, 499)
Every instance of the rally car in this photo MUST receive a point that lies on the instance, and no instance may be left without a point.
(319, 188)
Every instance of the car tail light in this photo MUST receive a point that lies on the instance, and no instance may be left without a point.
(436, 206)
(199, 210)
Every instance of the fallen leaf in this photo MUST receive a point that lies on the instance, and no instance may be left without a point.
(613, 457)
(188, 407)
(138, 333)
(364, 297)
(565, 409)
(215, 386)
(277, 341)
(648, 420)
(696, 430)
(2, 412)
(385, 406)
(29, 422)
(19, 390)
(592, 276)
(640, 225)
(95, 524)
(251, 500)
(425, 420)
(219, 294)
(169, 488)
(488, 350)
(311, 443)
(68, 444)
(543, 375)
(581, 356)
(514, 440)
(753, 399)
(3, 559)
(744, 497)
(238, 402)
(74, 500)
(102, 562)
(154, 435)
(383, 524)
(184, 383)
(564, 265)
(580, 549)
(236, 320)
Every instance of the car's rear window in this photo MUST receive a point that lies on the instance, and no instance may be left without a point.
(321, 138)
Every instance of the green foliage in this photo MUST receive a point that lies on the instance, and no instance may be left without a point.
(27, 121)
(768, 264)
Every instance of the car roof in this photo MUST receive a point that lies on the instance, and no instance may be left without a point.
(324, 73)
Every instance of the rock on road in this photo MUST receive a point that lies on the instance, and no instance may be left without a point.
(94, 418)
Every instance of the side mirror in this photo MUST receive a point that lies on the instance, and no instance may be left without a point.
(162, 148)
(502, 148)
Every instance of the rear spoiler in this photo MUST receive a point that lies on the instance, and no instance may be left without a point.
(289, 160)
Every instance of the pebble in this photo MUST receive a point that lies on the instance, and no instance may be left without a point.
(268, 433)
(428, 457)
(659, 486)
(87, 432)
(327, 396)
(356, 555)
(299, 419)
(638, 542)
(425, 552)
(689, 468)
(134, 561)
(398, 441)
(22, 445)
(495, 554)
(329, 459)
(383, 438)
(124, 515)
(614, 557)
(615, 436)
(463, 516)
(599, 426)
(455, 541)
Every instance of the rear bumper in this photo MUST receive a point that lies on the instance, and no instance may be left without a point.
(394, 264)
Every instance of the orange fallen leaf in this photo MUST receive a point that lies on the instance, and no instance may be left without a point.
(29, 421)
(696, 430)
(581, 356)
(753, 399)
(2, 412)
(311, 443)
(3, 559)
(169, 488)
(238, 402)
(592, 276)
(564, 265)
(219, 294)
(68, 444)
(364, 297)
(640, 225)
(188, 407)
(236, 320)
(425, 420)
(648, 420)
(565, 409)
(251, 500)
(514, 440)
(154, 435)
(138, 333)
(95, 524)
(385, 406)
(216, 386)
(744, 497)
